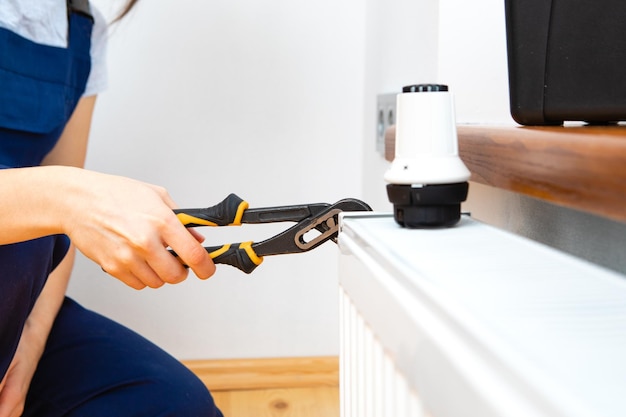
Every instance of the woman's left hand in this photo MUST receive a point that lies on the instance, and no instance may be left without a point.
(16, 382)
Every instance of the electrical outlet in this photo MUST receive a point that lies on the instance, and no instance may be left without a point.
(385, 117)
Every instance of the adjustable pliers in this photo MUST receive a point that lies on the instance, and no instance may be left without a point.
(321, 219)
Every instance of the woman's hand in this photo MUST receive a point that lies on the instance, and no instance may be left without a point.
(126, 226)
(14, 386)
(122, 224)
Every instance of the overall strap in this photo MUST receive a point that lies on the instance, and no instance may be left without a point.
(80, 7)
(40, 86)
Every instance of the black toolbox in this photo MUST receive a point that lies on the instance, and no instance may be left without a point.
(566, 60)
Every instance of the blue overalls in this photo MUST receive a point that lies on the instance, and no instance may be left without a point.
(91, 366)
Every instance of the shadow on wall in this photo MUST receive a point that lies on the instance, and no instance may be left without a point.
(589, 237)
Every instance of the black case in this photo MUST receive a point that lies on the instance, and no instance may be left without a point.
(567, 60)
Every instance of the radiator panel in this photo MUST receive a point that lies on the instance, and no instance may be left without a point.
(371, 386)
(473, 321)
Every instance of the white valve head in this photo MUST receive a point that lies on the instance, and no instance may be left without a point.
(426, 139)
(427, 178)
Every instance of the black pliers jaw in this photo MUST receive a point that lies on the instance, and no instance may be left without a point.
(233, 211)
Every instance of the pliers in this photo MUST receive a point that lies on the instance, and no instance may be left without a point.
(233, 211)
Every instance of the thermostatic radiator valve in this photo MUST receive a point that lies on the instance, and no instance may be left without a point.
(427, 181)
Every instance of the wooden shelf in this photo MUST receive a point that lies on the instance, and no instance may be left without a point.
(580, 167)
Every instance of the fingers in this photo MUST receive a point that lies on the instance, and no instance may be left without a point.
(189, 250)
(186, 242)
(11, 400)
(152, 265)
(151, 271)
(128, 233)
(196, 235)
(142, 275)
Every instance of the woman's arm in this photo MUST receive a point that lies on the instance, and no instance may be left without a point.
(70, 151)
(56, 192)
(122, 224)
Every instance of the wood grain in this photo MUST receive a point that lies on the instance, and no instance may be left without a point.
(293, 402)
(247, 374)
(580, 167)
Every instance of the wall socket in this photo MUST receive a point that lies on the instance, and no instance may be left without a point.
(385, 117)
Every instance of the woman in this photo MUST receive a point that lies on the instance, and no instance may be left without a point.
(56, 358)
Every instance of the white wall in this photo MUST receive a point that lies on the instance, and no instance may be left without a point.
(472, 59)
(263, 99)
(275, 101)
(401, 49)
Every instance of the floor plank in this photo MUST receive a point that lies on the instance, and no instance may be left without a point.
(283, 402)
(265, 373)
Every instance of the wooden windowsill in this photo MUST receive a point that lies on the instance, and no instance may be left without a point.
(580, 167)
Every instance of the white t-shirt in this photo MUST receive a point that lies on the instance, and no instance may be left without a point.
(45, 22)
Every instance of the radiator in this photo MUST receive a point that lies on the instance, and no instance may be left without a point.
(371, 385)
(475, 321)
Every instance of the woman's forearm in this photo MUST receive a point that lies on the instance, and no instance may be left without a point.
(34, 201)
(122, 224)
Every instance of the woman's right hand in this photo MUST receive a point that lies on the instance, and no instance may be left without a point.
(126, 225)
(122, 224)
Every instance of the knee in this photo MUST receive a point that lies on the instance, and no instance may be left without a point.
(151, 397)
(187, 397)
(196, 404)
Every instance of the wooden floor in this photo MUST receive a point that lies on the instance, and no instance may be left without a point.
(275, 387)
(279, 402)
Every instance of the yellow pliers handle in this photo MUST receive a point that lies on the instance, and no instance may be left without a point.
(229, 212)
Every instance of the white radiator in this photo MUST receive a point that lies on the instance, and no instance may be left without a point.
(474, 321)
(370, 383)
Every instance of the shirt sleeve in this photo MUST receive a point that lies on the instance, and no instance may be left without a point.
(97, 81)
